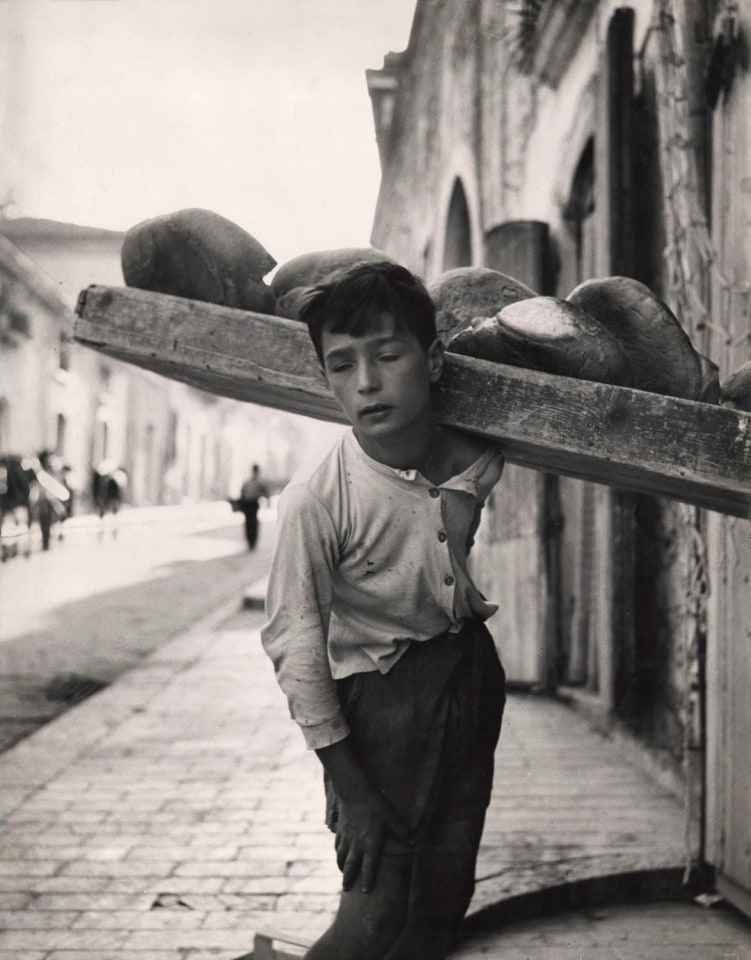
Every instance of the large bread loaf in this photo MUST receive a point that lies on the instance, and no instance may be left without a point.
(200, 255)
(546, 334)
(661, 358)
(294, 279)
(462, 294)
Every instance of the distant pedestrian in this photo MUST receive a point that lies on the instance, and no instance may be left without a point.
(250, 494)
(109, 483)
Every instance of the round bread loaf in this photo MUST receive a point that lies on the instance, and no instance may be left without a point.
(289, 304)
(200, 255)
(660, 355)
(293, 278)
(547, 334)
(462, 294)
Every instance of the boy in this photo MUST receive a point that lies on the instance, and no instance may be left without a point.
(376, 630)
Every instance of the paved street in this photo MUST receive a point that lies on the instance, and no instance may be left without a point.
(76, 617)
(176, 814)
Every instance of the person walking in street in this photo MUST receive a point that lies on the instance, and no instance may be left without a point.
(376, 629)
(250, 494)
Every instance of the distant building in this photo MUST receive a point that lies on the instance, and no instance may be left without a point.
(176, 443)
(34, 323)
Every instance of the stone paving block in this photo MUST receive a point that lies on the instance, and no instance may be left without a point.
(30, 852)
(117, 955)
(318, 868)
(81, 816)
(246, 920)
(180, 886)
(24, 954)
(153, 919)
(14, 901)
(177, 853)
(50, 884)
(227, 868)
(91, 902)
(178, 939)
(254, 835)
(36, 919)
(276, 886)
(132, 884)
(92, 940)
(35, 868)
(120, 868)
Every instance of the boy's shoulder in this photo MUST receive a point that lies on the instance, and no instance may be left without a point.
(319, 478)
(464, 447)
(464, 450)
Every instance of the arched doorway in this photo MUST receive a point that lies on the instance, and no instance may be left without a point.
(457, 247)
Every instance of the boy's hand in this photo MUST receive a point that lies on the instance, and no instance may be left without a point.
(363, 827)
(365, 819)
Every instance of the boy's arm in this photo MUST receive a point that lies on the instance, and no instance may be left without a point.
(365, 819)
(298, 607)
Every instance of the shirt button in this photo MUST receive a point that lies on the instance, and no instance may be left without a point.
(442, 536)
(434, 493)
(449, 581)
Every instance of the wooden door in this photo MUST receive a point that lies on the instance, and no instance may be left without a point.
(597, 531)
(510, 563)
(728, 808)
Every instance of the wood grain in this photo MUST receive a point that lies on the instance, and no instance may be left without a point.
(694, 452)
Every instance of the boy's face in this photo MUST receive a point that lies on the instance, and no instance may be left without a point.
(382, 379)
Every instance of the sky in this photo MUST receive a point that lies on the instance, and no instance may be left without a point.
(121, 110)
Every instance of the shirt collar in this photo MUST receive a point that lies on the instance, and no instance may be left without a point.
(465, 481)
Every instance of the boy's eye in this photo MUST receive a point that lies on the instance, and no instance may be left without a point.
(389, 357)
(340, 367)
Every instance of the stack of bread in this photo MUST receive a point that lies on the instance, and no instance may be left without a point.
(611, 330)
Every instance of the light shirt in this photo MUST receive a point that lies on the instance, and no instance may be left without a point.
(368, 560)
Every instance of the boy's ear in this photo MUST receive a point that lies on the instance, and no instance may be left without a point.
(435, 359)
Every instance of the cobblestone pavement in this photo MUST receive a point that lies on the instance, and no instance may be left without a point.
(176, 813)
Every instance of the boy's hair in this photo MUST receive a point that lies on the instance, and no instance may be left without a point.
(350, 299)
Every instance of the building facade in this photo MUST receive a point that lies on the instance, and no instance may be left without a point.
(175, 443)
(555, 142)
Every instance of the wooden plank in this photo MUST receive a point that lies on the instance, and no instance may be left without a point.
(629, 439)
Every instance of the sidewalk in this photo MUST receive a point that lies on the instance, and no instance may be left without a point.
(177, 813)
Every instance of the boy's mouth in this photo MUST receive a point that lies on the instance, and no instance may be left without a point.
(374, 410)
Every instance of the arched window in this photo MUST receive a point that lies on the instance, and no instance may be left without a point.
(457, 248)
(579, 216)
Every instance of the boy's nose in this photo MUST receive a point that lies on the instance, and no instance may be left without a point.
(367, 379)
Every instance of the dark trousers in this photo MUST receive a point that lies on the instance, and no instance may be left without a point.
(250, 510)
(425, 733)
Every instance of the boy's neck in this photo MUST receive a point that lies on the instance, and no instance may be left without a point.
(416, 450)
